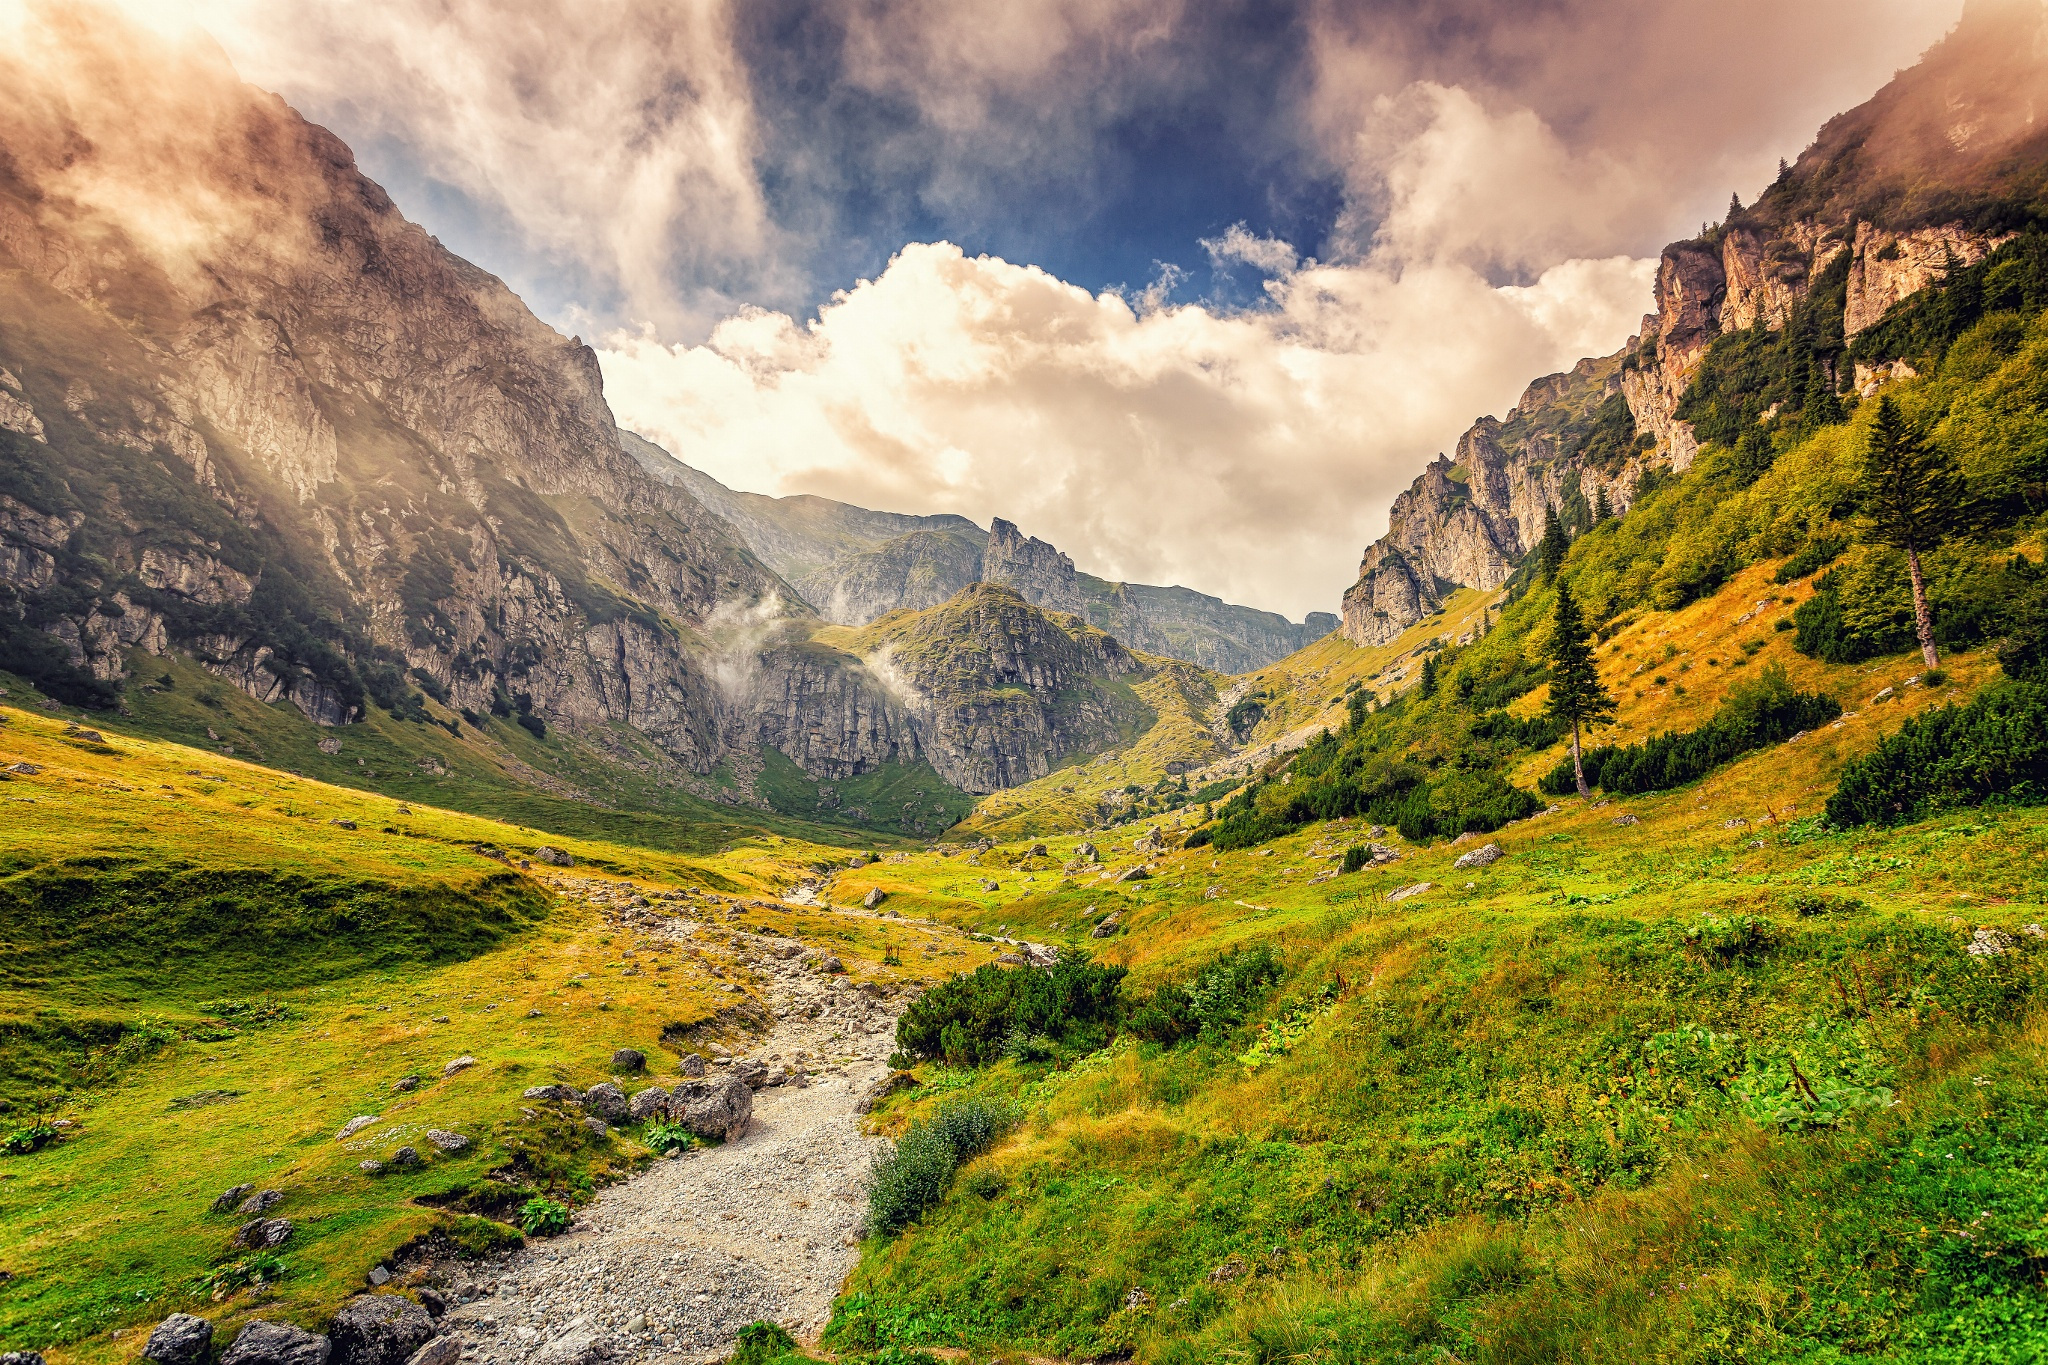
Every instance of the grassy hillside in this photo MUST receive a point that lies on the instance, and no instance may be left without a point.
(210, 967)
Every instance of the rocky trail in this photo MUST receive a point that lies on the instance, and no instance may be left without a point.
(669, 1266)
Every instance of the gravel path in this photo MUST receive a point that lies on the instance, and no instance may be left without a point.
(669, 1266)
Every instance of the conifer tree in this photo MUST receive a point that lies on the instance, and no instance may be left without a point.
(1428, 685)
(1734, 207)
(1819, 407)
(1576, 695)
(1911, 496)
(1550, 550)
(1602, 510)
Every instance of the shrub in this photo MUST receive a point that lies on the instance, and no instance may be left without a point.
(1763, 710)
(664, 1136)
(32, 1137)
(1993, 750)
(1217, 1000)
(543, 1217)
(916, 1172)
(762, 1343)
(1356, 857)
(971, 1020)
(1817, 553)
(533, 725)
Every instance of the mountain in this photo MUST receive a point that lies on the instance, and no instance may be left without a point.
(1933, 172)
(855, 565)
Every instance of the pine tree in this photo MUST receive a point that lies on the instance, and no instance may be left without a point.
(1911, 496)
(1428, 685)
(1550, 550)
(1734, 207)
(1754, 455)
(1820, 408)
(1602, 509)
(1783, 169)
(1576, 695)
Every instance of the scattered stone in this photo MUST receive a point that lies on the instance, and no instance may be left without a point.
(406, 1156)
(230, 1197)
(406, 1083)
(1734, 822)
(264, 1233)
(1087, 852)
(379, 1329)
(873, 898)
(379, 1276)
(342, 824)
(1403, 893)
(1213, 893)
(24, 770)
(628, 1060)
(447, 1141)
(1625, 820)
(439, 1351)
(355, 1125)
(180, 1339)
(752, 1071)
(431, 1300)
(369, 1167)
(606, 1101)
(554, 857)
(1481, 856)
(559, 1093)
(260, 1202)
(597, 1127)
(277, 1343)
(718, 1108)
(1133, 874)
(646, 1104)
(1108, 927)
(579, 1343)
(831, 965)
(459, 1064)
(692, 1065)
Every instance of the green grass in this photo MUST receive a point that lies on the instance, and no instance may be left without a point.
(906, 800)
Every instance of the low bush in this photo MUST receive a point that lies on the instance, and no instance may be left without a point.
(1994, 750)
(916, 1172)
(1761, 711)
(543, 1217)
(763, 1343)
(1216, 1001)
(663, 1136)
(972, 1020)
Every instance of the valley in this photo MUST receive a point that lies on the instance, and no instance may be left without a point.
(474, 887)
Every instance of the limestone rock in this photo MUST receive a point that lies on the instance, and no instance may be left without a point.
(628, 1060)
(447, 1141)
(1482, 856)
(606, 1101)
(720, 1108)
(378, 1329)
(230, 1197)
(263, 1233)
(180, 1339)
(277, 1343)
(647, 1104)
(691, 1065)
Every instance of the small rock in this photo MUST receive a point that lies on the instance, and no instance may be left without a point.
(1107, 928)
(342, 824)
(887, 1086)
(406, 1156)
(1481, 856)
(440, 1019)
(1625, 820)
(379, 1276)
(1403, 893)
(379, 1329)
(431, 1300)
(598, 1127)
(831, 965)
(628, 1060)
(1035, 851)
(606, 1101)
(1134, 874)
(692, 1065)
(753, 1072)
(459, 1064)
(439, 1351)
(406, 1083)
(647, 1104)
(1010, 960)
(260, 1202)
(554, 857)
(369, 1167)
(230, 1197)
(264, 1233)
(354, 1126)
(579, 1343)
(873, 898)
(559, 1093)
(180, 1339)
(447, 1141)
(22, 1358)
(1087, 852)
(277, 1343)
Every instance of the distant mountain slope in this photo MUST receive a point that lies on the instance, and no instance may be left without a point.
(854, 565)
(1935, 170)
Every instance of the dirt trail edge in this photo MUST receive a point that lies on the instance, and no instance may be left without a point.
(670, 1265)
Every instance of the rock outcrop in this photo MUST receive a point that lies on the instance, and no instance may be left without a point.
(1923, 176)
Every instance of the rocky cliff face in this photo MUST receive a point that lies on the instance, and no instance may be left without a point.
(1938, 167)
(1002, 691)
(855, 565)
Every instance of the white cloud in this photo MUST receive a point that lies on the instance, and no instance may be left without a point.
(1239, 244)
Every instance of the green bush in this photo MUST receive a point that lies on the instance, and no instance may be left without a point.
(664, 1136)
(762, 1343)
(916, 1172)
(1216, 1001)
(1815, 554)
(29, 1138)
(543, 1217)
(971, 1020)
(1994, 750)
(1356, 857)
(1760, 711)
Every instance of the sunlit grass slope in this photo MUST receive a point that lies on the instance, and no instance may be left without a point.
(208, 972)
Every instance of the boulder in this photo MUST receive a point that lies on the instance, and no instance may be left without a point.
(379, 1329)
(1625, 820)
(1035, 851)
(1134, 874)
(459, 1064)
(180, 1339)
(22, 1357)
(692, 1065)
(264, 1233)
(647, 1104)
(598, 1127)
(260, 1202)
(230, 1197)
(1481, 856)
(277, 1343)
(1109, 925)
(369, 1167)
(887, 1086)
(447, 1141)
(606, 1101)
(873, 898)
(628, 1060)
(406, 1156)
(406, 1083)
(439, 1351)
(560, 1093)
(554, 857)
(720, 1108)
(354, 1126)
(1403, 893)
(831, 964)
(1087, 851)
(753, 1071)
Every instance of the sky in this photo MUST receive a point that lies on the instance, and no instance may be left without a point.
(1190, 290)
